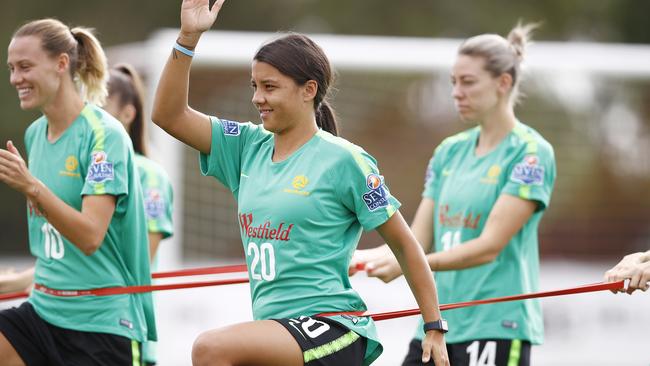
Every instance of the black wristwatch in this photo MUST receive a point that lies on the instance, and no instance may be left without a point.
(439, 325)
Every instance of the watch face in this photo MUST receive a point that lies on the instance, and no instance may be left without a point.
(439, 325)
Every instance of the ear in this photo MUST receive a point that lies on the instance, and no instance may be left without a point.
(309, 90)
(504, 84)
(63, 63)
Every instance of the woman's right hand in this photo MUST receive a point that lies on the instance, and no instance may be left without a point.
(197, 17)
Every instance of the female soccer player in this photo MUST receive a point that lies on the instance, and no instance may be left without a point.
(485, 193)
(86, 219)
(304, 196)
(126, 103)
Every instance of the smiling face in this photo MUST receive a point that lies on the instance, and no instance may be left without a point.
(35, 74)
(476, 92)
(281, 102)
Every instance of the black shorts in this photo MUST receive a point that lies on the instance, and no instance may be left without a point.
(40, 343)
(498, 352)
(325, 342)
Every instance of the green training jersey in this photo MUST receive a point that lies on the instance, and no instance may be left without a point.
(158, 202)
(464, 188)
(94, 156)
(301, 219)
(158, 196)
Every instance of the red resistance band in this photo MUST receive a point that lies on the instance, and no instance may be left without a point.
(376, 316)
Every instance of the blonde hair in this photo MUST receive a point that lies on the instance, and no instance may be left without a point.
(88, 66)
(502, 55)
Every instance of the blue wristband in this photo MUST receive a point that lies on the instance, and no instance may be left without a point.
(184, 50)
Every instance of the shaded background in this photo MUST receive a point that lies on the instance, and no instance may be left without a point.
(598, 125)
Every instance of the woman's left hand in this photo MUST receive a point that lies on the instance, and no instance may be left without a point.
(13, 170)
(434, 348)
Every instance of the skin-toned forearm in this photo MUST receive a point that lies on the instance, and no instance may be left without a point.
(411, 258)
(17, 281)
(86, 229)
(506, 219)
(171, 98)
(471, 254)
(422, 225)
(170, 108)
(154, 242)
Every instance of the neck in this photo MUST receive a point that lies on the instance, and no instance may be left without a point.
(62, 110)
(494, 129)
(290, 140)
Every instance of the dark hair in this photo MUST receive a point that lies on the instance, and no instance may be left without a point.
(125, 84)
(300, 58)
(87, 58)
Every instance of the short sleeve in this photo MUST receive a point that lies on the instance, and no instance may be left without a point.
(108, 162)
(158, 204)
(363, 191)
(531, 175)
(432, 175)
(224, 160)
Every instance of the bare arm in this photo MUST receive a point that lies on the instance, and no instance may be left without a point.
(16, 281)
(171, 110)
(154, 242)
(380, 261)
(411, 258)
(85, 229)
(507, 217)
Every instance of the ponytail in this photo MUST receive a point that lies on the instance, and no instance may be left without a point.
(126, 86)
(90, 66)
(326, 119)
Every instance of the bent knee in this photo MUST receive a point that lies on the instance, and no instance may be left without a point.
(209, 349)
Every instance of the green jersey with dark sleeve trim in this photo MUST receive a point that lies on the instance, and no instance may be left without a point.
(301, 219)
(158, 204)
(94, 156)
(464, 188)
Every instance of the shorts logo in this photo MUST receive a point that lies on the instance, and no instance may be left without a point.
(528, 172)
(100, 170)
(154, 203)
(230, 128)
(377, 197)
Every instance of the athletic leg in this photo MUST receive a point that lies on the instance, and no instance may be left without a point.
(8, 354)
(263, 343)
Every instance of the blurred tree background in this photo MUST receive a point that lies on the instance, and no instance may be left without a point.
(121, 21)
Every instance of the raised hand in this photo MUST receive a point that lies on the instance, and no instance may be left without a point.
(197, 17)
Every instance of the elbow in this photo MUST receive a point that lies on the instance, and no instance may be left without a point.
(91, 245)
(158, 116)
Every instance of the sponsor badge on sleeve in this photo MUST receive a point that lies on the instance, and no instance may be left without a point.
(528, 172)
